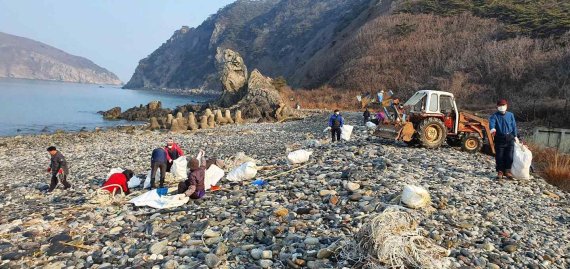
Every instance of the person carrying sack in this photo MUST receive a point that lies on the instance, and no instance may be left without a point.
(173, 151)
(504, 130)
(58, 166)
(336, 122)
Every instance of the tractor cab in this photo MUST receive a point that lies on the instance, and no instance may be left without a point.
(438, 104)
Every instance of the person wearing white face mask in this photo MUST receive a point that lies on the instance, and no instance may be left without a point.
(504, 129)
(173, 151)
(335, 123)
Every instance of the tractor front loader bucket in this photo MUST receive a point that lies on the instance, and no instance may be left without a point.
(395, 132)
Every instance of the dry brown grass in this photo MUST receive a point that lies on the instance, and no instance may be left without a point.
(322, 98)
(552, 165)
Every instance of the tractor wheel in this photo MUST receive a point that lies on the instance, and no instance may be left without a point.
(432, 133)
(471, 143)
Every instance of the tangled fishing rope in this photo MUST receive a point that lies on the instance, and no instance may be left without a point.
(391, 239)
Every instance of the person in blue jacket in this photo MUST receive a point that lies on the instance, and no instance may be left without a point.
(158, 160)
(504, 129)
(336, 122)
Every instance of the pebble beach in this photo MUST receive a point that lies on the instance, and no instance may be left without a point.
(292, 222)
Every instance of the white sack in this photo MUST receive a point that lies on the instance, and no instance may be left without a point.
(245, 171)
(370, 125)
(346, 132)
(156, 179)
(152, 199)
(134, 182)
(522, 159)
(179, 167)
(213, 175)
(415, 197)
(299, 156)
(327, 129)
(114, 171)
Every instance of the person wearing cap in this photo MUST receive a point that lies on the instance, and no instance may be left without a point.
(336, 122)
(58, 166)
(118, 179)
(173, 151)
(504, 130)
(158, 160)
(194, 186)
(366, 115)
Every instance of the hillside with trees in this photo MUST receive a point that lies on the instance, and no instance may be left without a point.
(479, 50)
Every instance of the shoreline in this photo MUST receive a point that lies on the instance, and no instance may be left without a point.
(477, 218)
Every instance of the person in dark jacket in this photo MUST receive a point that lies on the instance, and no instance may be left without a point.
(173, 151)
(194, 186)
(158, 161)
(504, 129)
(336, 122)
(58, 166)
(366, 115)
(121, 179)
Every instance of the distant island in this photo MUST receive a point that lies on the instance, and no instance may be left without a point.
(28, 59)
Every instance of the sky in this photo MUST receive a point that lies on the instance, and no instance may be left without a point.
(114, 34)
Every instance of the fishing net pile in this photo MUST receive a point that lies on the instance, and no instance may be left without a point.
(391, 239)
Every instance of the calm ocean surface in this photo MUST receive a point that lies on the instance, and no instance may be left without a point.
(29, 106)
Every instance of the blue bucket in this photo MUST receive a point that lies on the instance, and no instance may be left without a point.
(162, 191)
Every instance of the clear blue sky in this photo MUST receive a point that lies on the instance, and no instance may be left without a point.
(114, 34)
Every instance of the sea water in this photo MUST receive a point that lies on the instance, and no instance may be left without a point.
(32, 106)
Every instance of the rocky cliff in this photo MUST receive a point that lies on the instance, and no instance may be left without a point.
(28, 59)
(278, 37)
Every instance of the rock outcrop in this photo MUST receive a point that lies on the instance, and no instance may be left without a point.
(143, 113)
(111, 114)
(28, 59)
(233, 74)
(259, 99)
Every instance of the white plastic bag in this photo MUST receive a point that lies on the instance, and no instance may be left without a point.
(299, 156)
(327, 129)
(370, 125)
(152, 199)
(346, 132)
(213, 175)
(415, 197)
(147, 180)
(134, 182)
(245, 171)
(179, 167)
(522, 160)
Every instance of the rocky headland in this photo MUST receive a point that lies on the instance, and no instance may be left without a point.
(24, 58)
(297, 220)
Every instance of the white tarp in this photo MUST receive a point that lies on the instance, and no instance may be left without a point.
(522, 160)
(299, 156)
(179, 167)
(151, 199)
(245, 171)
(346, 132)
(213, 175)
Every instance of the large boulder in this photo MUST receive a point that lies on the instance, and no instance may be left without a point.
(112, 114)
(233, 75)
(261, 99)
